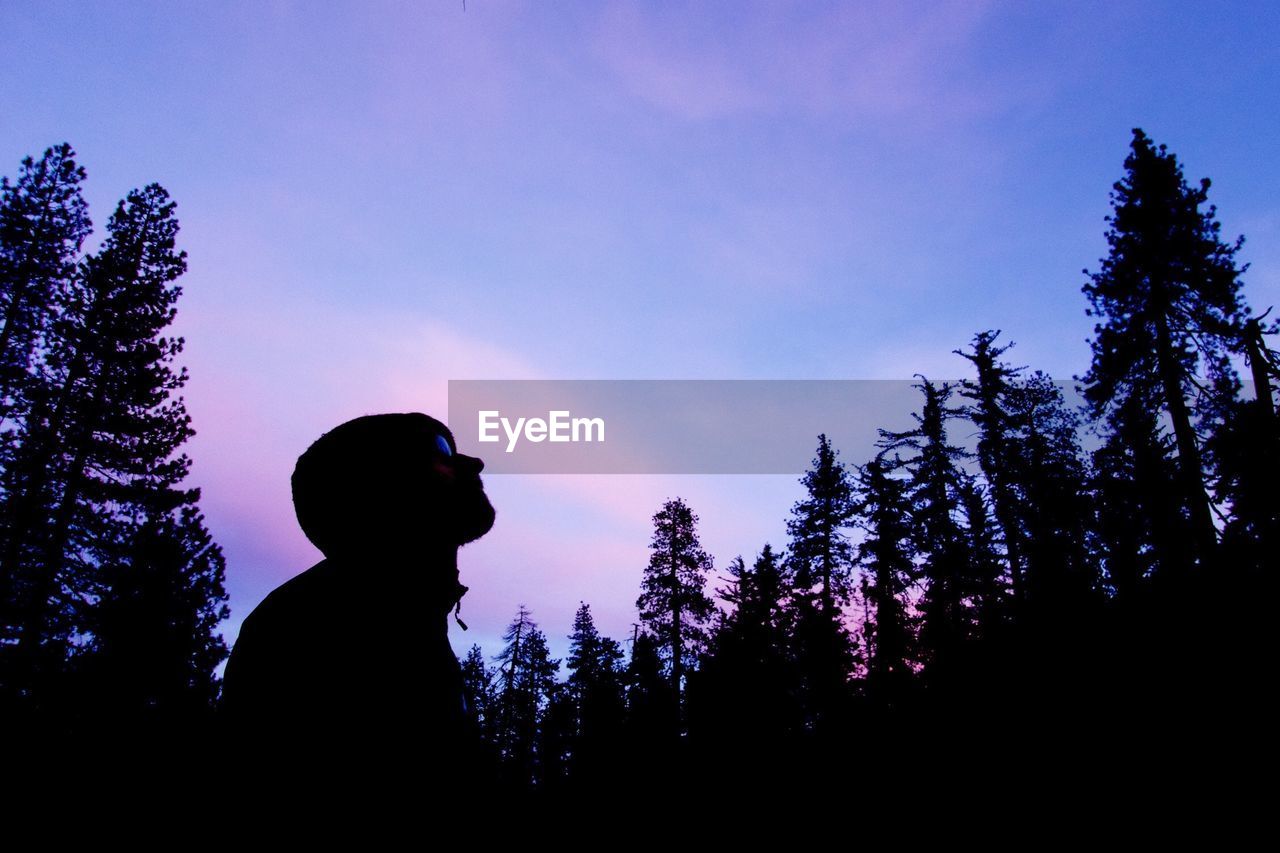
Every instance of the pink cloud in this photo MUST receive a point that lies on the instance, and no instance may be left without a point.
(313, 367)
(559, 539)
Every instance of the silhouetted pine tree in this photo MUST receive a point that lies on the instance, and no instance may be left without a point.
(160, 576)
(819, 566)
(651, 737)
(1139, 527)
(110, 552)
(478, 688)
(1171, 315)
(43, 223)
(886, 556)
(985, 576)
(1245, 456)
(650, 712)
(743, 696)
(1169, 307)
(1029, 653)
(1029, 453)
(153, 644)
(557, 739)
(527, 679)
(1052, 482)
(820, 553)
(595, 693)
(948, 615)
(673, 604)
(991, 411)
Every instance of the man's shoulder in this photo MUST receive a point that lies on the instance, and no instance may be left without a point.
(274, 662)
(303, 596)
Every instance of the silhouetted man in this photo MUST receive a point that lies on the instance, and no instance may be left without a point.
(349, 662)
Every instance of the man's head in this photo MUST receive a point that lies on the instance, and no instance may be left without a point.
(391, 483)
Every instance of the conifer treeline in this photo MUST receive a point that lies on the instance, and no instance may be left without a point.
(111, 588)
(1022, 594)
(930, 598)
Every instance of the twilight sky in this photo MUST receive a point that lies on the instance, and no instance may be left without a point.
(378, 197)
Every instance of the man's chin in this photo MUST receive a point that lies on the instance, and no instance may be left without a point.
(476, 521)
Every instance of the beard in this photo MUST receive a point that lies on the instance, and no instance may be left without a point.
(467, 514)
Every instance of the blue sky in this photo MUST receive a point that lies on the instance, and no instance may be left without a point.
(379, 197)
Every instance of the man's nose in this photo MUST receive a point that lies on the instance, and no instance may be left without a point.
(469, 464)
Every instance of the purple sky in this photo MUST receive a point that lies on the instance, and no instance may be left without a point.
(379, 197)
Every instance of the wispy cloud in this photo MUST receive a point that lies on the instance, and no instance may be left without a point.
(859, 60)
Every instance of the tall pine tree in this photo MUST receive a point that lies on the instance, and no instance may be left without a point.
(948, 615)
(886, 556)
(820, 553)
(673, 604)
(819, 567)
(595, 694)
(527, 676)
(1028, 452)
(478, 690)
(744, 694)
(1245, 456)
(991, 412)
(1169, 308)
(650, 704)
(43, 223)
(110, 573)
